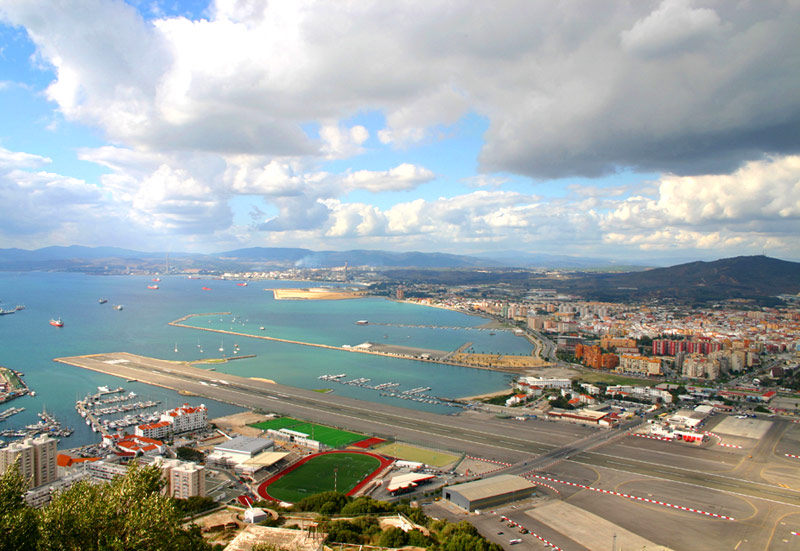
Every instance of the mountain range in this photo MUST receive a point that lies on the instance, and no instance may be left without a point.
(739, 277)
(255, 258)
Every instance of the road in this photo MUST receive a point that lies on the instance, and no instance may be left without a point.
(527, 445)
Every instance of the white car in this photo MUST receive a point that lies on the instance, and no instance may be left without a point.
(515, 541)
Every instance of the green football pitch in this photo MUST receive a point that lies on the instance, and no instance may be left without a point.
(329, 436)
(318, 474)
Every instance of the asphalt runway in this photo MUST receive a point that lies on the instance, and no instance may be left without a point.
(725, 481)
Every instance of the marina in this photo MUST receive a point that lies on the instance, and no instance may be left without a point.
(110, 402)
(416, 394)
(47, 424)
(9, 412)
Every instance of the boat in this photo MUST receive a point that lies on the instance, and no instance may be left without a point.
(118, 307)
(19, 307)
(242, 284)
(362, 322)
(176, 347)
(221, 348)
(152, 286)
(206, 288)
(261, 328)
(102, 301)
(56, 322)
(6, 312)
(156, 279)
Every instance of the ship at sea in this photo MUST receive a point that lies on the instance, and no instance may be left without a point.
(102, 300)
(118, 307)
(243, 284)
(152, 286)
(56, 322)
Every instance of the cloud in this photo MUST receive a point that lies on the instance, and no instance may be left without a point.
(17, 159)
(585, 90)
(673, 27)
(400, 178)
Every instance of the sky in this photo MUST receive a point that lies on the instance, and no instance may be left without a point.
(637, 131)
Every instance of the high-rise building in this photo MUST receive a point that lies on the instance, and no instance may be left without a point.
(187, 480)
(36, 458)
(401, 293)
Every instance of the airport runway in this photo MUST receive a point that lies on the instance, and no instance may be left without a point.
(470, 432)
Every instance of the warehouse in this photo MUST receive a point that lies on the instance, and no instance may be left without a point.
(489, 492)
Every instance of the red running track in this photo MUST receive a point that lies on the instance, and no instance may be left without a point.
(262, 488)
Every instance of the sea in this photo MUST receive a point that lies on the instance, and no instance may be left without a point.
(28, 343)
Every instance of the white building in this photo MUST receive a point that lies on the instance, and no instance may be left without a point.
(547, 382)
(187, 418)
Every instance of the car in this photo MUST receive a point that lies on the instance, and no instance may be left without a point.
(514, 541)
(500, 533)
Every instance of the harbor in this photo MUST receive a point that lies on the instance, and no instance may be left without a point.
(416, 394)
(110, 402)
(47, 424)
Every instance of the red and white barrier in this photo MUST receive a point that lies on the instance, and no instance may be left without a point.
(637, 498)
(537, 536)
(718, 437)
(793, 456)
(664, 438)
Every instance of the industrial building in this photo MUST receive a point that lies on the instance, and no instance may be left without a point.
(489, 492)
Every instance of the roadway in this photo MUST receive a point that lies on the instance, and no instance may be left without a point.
(527, 445)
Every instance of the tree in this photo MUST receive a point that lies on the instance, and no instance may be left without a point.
(18, 526)
(186, 453)
(129, 513)
(393, 537)
(327, 503)
(365, 505)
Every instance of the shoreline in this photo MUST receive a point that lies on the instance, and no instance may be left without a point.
(179, 323)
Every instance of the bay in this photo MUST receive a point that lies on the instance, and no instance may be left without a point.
(28, 343)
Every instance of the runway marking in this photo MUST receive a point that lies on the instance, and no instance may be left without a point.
(632, 497)
(534, 534)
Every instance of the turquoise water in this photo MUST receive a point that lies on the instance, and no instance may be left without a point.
(28, 343)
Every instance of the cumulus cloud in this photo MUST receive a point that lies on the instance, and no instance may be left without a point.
(674, 26)
(402, 177)
(670, 86)
(19, 159)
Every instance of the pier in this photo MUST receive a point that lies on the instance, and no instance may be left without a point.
(389, 351)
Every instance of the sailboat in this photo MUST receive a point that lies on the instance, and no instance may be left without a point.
(176, 347)
(221, 348)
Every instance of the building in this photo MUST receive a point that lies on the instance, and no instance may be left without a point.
(187, 418)
(159, 430)
(241, 449)
(36, 458)
(489, 492)
(187, 480)
(641, 365)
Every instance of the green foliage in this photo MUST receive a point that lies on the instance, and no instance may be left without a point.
(418, 539)
(18, 526)
(195, 504)
(462, 536)
(326, 503)
(393, 537)
(186, 453)
(366, 506)
(130, 513)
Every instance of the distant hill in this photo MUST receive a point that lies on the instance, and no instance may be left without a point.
(524, 259)
(306, 258)
(738, 277)
(743, 277)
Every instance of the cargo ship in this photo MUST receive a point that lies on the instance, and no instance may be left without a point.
(243, 284)
(152, 286)
(102, 301)
(56, 322)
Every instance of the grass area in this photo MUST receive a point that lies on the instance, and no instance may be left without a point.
(317, 475)
(12, 378)
(323, 390)
(498, 400)
(611, 379)
(413, 453)
(329, 436)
